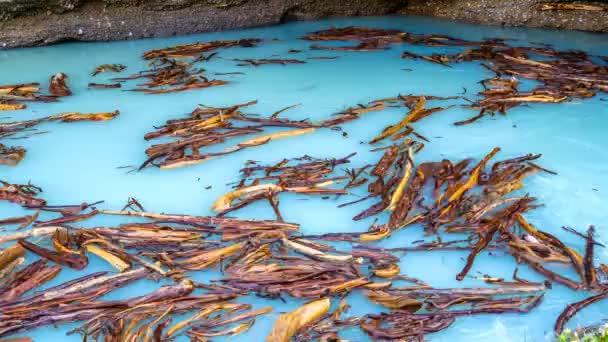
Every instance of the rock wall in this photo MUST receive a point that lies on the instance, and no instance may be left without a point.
(41, 22)
(32, 22)
(513, 13)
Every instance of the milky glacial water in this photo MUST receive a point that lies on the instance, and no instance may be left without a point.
(81, 162)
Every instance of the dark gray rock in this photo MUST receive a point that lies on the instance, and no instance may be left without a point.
(511, 13)
(41, 22)
(34, 23)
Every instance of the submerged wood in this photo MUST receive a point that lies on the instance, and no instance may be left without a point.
(271, 258)
(169, 75)
(572, 309)
(261, 257)
(288, 325)
(9, 105)
(58, 86)
(23, 194)
(208, 126)
(104, 86)
(563, 76)
(472, 200)
(21, 129)
(108, 68)
(258, 62)
(11, 156)
(305, 175)
(12, 96)
(193, 50)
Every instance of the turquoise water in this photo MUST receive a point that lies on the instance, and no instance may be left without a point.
(80, 162)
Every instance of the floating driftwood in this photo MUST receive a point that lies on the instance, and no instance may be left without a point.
(305, 175)
(24, 194)
(12, 96)
(287, 325)
(209, 126)
(10, 105)
(258, 62)
(434, 58)
(572, 309)
(11, 156)
(563, 74)
(58, 86)
(373, 39)
(270, 259)
(108, 67)
(104, 86)
(170, 75)
(470, 200)
(23, 129)
(194, 50)
(401, 130)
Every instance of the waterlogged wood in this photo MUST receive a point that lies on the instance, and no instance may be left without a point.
(258, 62)
(14, 236)
(575, 258)
(288, 325)
(193, 50)
(389, 271)
(11, 156)
(24, 221)
(434, 58)
(6, 106)
(189, 86)
(398, 193)
(572, 309)
(400, 302)
(208, 126)
(75, 261)
(10, 254)
(566, 76)
(590, 273)
(221, 222)
(112, 259)
(259, 264)
(29, 278)
(23, 194)
(305, 175)
(225, 201)
(104, 86)
(14, 94)
(306, 250)
(75, 116)
(14, 155)
(108, 68)
(473, 179)
(169, 75)
(95, 283)
(211, 257)
(58, 86)
(25, 88)
(253, 142)
(396, 128)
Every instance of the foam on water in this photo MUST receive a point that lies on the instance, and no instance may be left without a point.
(78, 162)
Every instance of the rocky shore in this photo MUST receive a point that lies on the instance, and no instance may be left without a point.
(41, 22)
(514, 13)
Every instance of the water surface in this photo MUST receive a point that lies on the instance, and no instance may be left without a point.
(80, 162)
